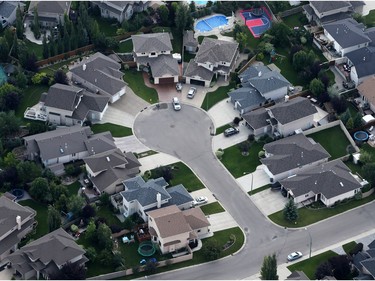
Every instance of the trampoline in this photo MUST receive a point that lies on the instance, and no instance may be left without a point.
(361, 136)
(146, 249)
(257, 20)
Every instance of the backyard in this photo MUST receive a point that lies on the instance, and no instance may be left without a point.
(41, 217)
(31, 96)
(116, 130)
(136, 83)
(125, 46)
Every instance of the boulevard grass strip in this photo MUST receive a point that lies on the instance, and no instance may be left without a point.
(126, 46)
(309, 266)
(237, 164)
(183, 175)
(117, 131)
(136, 83)
(213, 98)
(260, 189)
(221, 129)
(41, 217)
(348, 247)
(73, 188)
(309, 216)
(333, 140)
(212, 208)
(31, 96)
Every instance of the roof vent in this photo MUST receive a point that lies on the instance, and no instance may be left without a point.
(108, 159)
(286, 98)
(259, 73)
(342, 185)
(84, 67)
(316, 182)
(364, 58)
(61, 150)
(337, 31)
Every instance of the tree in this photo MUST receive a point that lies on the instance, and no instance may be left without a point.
(350, 124)
(104, 236)
(53, 219)
(45, 48)
(75, 205)
(165, 172)
(316, 87)
(70, 271)
(52, 48)
(4, 50)
(66, 40)
(366, 157)
(28, 171)
(339, 104)
(192, 7)
(211, 250)
(61, 203)
(357, 120)
(163, 14)
(57, 191)
(9, 124)
(182, 18)
(10, 101)
(19, 23)
(324, 269)
(368, 172)
(299, 60)
(36, 24)
(15, 49)
(21, 79)
(280, 33)
(345, 116)
(91, 254)
(60, 77)
(91, 231)
(242, 39)
(268, 270)
(88, 211)
(340, 266)
(40, 190)
(290, 211)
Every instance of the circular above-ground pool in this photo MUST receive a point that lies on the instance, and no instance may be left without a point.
(18, 193)
(361, 136)
(211, 23)
(146, 249)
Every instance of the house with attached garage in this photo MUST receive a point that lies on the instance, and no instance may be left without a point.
(329, 183)
(154, 50)
(214, 57)
(63, 145)
(364, 262)
(16, 222)
(107, 170)
(259, 85)
(99, 74)
(140, 196)
(69, 105)
(44, 257)
(292, 155)
(366, 93)
(282, 119)
(50, 13)
(172, 229)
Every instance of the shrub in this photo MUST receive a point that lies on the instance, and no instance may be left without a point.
(358, 248)
(236, 120)
(260, 56)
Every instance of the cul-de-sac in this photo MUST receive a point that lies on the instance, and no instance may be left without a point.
(174, 140)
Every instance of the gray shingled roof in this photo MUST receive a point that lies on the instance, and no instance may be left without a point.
(164, 65)
(364, 61)
(330, 179)
(268, 82)
(153, 42)
(347, 32)
(257, 118)
(214, 50)
(50, 7)
(326, 6)
(7, 8)
(63, 96)
(292, 152)
(253, 71)
(179, 195)
(369, 264)
(292, 110)
(246, 96)
(189, 39)
(100, 142)
(194, 70)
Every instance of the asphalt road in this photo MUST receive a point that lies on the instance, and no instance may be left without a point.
(186, 135)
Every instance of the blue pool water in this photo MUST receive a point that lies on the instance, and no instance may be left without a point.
(3, 76)
(202, 3)
(210, 23)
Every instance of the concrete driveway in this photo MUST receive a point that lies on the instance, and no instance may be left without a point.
(221, 221)
(259, 178)
(156, 160)
(6, 274)
(223, 113)
(130, 143)
(204, 192)
(220, 141)
(269, 201)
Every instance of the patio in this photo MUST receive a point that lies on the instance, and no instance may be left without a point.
(36, 112)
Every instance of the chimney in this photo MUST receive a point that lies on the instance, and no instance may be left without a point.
(286, 98)
(18, 221)
(84, 67)
(158, 200)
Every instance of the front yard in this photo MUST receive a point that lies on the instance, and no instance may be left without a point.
(116, 130)
(135, 80)
(213, 98)
(212, 208)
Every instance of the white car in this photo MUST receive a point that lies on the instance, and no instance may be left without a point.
(191, 92)
(200, 200)
(178, 87)
(176, 104)
(295, 255)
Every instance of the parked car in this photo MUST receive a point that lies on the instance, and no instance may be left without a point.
(191, 92)
(231, 131)
(179, 87)
(200, 200)
(176, 104)
(294, 256)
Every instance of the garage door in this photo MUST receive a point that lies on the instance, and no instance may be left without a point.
(168, 80)
(197, 82)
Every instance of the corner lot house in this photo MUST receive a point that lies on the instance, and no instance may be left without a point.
(16, 222)
(282, 119)
(329, 182)
(120, 10)
(292, 155)
(366, 92)
(214, 57)
(140, 196)
(172, 229)
(155, 51)
(47, 255)
(107, 170)
(100, 74)
(50, 13)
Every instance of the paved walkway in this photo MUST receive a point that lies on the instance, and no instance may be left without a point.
(156, 160)
(130, 143)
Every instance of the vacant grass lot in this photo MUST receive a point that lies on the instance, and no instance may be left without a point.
(116, 130)
(212, 208)
(31, 96)
(333, 140)
(136, 83)
(41, 217)
(213, 98)
(237, 164)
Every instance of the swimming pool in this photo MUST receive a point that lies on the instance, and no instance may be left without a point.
(201, 3)
(3, 76)
(211, 23)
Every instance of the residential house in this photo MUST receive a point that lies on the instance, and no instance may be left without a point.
(297, 275)
(63, 145)
(50, 13)
(282, 119)
(107, 170)
(120, 10)
(16, 222)
(172, 229)
(366, 93)
(190, 43)
(46, 256)
(100, 74)
(364, 262)
(140, 196)
(329, 183)
(259, 85)
(69, 105)
(292, 155)
(322, 12)
(8, 10)
(214, 57)
(154, 50)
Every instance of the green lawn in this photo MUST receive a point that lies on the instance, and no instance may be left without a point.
(348, 247)
(126, 46)
(333, 140)
(212, 208)
(221, 129)
(188, 56)
(370, 19)
(31, 96)
(183, 175)
(116, 130)
(107, 27)
(309, 266)
(237, 164)
(293, 21)
(105, 212)
(309, 216)
(50, 70)
(37, 49)
(352, 109)
(73, 188)
(136, 83)
(260, 189)
(213, 98)
(200, 38)
(41, 217)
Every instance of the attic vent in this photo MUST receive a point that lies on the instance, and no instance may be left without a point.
(364, 58)
(260, 73)
(302, 154)
(108, 159)
(61, 150)
(316, 182)
(342, 185)
(84, 67)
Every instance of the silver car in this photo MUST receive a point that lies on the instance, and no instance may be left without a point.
(176, 104)
(191, 92)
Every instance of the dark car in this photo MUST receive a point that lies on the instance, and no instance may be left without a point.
(231, 131)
